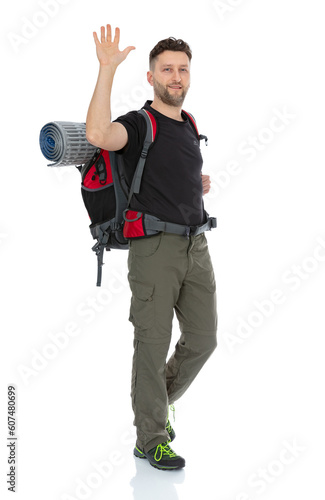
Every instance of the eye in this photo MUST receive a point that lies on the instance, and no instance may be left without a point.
(167, 69)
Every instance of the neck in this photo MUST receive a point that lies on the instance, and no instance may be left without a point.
(169, 111)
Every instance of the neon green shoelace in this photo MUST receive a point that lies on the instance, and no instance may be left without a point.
(164, 449)
(168, 426)
(172, 407)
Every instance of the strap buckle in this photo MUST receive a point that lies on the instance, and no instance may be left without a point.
(213, 222)
(115, 226)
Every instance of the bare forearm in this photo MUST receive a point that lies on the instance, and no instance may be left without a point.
(98, 121)
(99, 112)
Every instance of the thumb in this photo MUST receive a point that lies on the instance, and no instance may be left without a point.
(128, 50)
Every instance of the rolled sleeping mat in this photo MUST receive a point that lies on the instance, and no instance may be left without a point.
(65, 143)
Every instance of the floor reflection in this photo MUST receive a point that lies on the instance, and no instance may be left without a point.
(149, 483)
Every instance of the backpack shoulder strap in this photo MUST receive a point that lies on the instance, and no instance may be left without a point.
(150, 137)
(193, 123)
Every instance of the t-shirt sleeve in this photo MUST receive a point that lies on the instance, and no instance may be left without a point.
(135, 127)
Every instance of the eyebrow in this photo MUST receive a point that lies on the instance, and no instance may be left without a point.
(170, 65)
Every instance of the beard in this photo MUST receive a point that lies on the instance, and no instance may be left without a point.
(163, 94)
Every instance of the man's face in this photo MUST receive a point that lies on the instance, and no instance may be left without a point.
(171, 77)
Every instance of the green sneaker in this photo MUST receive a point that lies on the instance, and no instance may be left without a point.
(172, 434)
(161, 457)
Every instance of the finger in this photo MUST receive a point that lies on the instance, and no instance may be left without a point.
(109, 33)
(102, 34)
(128, 50)
(117, 36)
(95, 37)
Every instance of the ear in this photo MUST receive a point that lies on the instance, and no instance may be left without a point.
(150, 77)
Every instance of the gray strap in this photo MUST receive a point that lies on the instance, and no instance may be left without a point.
(211, 223)
(167, 227)
(151, 223)
(100, 254)
(101, 232)
(136, 181)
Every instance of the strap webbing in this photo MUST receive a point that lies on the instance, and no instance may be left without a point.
(101, 232)
(100, 254)
(151, 223)
(136, 181)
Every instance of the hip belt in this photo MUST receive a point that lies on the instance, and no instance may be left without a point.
(140, 224)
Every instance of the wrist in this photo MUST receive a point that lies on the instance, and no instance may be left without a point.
(107, 67)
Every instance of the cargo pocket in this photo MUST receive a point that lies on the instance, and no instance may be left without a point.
(142, 310)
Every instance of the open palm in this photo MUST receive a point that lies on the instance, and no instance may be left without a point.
(108, 52)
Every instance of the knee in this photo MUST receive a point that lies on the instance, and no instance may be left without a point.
(199, 343)
(210, 343)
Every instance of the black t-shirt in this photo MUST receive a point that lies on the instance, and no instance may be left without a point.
(171, 185)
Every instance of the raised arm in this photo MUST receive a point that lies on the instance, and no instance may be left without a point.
(100, 131)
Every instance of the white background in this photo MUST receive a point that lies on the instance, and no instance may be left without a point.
(262, 390)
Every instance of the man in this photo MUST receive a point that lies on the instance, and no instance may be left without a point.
(167, 272)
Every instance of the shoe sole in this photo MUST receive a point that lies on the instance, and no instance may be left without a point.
(138, 453)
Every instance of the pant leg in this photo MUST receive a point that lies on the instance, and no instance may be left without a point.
(196, 311)
(157, 266)
(149, 393)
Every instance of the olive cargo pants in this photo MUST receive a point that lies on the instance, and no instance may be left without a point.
(168, 272)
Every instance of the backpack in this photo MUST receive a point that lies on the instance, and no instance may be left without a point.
(105, 194)
(107, 199)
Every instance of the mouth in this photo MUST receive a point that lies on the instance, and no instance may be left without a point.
(175, 87)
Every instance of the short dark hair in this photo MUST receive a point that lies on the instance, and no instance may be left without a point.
(169, 44)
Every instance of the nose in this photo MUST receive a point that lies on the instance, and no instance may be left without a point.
(177, 76)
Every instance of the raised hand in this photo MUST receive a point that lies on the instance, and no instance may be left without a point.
(107, 51)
